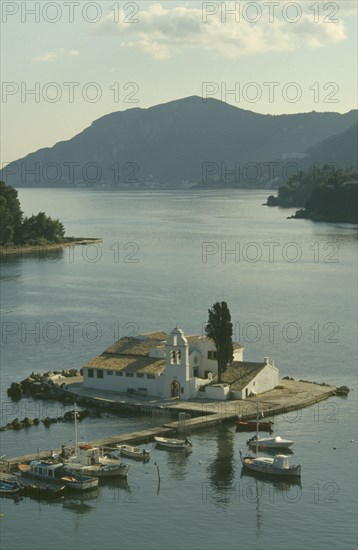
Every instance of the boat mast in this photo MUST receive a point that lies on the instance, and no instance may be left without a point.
(75, 415)
(257, 427)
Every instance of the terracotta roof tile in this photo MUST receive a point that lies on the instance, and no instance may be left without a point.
(240, 373)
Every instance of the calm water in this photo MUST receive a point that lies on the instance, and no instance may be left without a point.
(166, 258)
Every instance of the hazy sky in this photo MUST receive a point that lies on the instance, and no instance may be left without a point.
(66, 63)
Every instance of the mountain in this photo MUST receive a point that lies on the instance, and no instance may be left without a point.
(340, 149)
(188, 139)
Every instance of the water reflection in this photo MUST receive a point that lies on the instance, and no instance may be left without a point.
(262, 489)
(177, 461)
(36, 255)
(221, 472)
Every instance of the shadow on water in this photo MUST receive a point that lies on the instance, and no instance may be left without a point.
(221, 472)
(177, 461)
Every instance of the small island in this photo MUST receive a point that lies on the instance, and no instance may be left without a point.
(39, 232)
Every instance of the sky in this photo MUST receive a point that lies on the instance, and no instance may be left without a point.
(67, 63)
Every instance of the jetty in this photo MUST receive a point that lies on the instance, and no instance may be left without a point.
(289, 396)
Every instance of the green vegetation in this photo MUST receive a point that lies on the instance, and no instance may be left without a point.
(333, 203)
(298, 190)
(219, 329)
(16, 230)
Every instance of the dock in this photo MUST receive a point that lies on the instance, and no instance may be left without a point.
(289, 396)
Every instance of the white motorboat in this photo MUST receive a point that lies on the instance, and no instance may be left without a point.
(134, 452)
(269, 442)
(171, 443)
(277, 465)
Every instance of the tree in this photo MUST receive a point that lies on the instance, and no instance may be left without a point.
(219, 330)
(42, 227)
(10, 215)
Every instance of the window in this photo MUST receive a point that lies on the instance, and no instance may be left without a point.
(110, 373)
(212, 355)
(90, 373)
(100, 374)
(150, 376)
(140, 375)
(119, 373)
(130, 374)
(196, 371)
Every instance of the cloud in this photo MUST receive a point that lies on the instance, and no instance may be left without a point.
(57, 54)
(160, 32)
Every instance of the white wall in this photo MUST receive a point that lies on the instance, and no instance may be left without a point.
(217, 391)
(265, 380)
(122, 383)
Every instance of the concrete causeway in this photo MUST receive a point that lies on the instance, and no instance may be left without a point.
(290, 395)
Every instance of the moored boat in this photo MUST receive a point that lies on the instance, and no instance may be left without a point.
(40, 488)
(134, 452)
(9, 487)
(269, 442)
(88, 459)
(172, 443)
(250, 425)
(56, 472)
(278, 465)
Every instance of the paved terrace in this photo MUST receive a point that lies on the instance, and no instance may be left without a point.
(292, 396)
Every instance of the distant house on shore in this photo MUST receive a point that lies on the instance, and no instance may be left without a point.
(174, 366)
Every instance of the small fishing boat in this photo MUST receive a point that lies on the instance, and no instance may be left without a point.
(269, 442)
(250, 425)
(9, 487)
(278, 465)
(40, 488)
(171, 443)
(89, 460)
(56, 472)
(134, 452)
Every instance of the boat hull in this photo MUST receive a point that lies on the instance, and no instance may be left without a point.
(99, 471)
(9, 488)
(172, 444)
(270, 443)
(133, 452)
(270, 468)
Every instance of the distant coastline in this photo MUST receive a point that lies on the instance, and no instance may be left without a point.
(12, 250)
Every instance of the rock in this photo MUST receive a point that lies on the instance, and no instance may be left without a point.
(36, 421)
(342, 390)
(47, 421)
(15, 391)
(27, 422)
(36, 387)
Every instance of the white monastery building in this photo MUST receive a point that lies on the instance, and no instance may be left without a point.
(174, 366)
